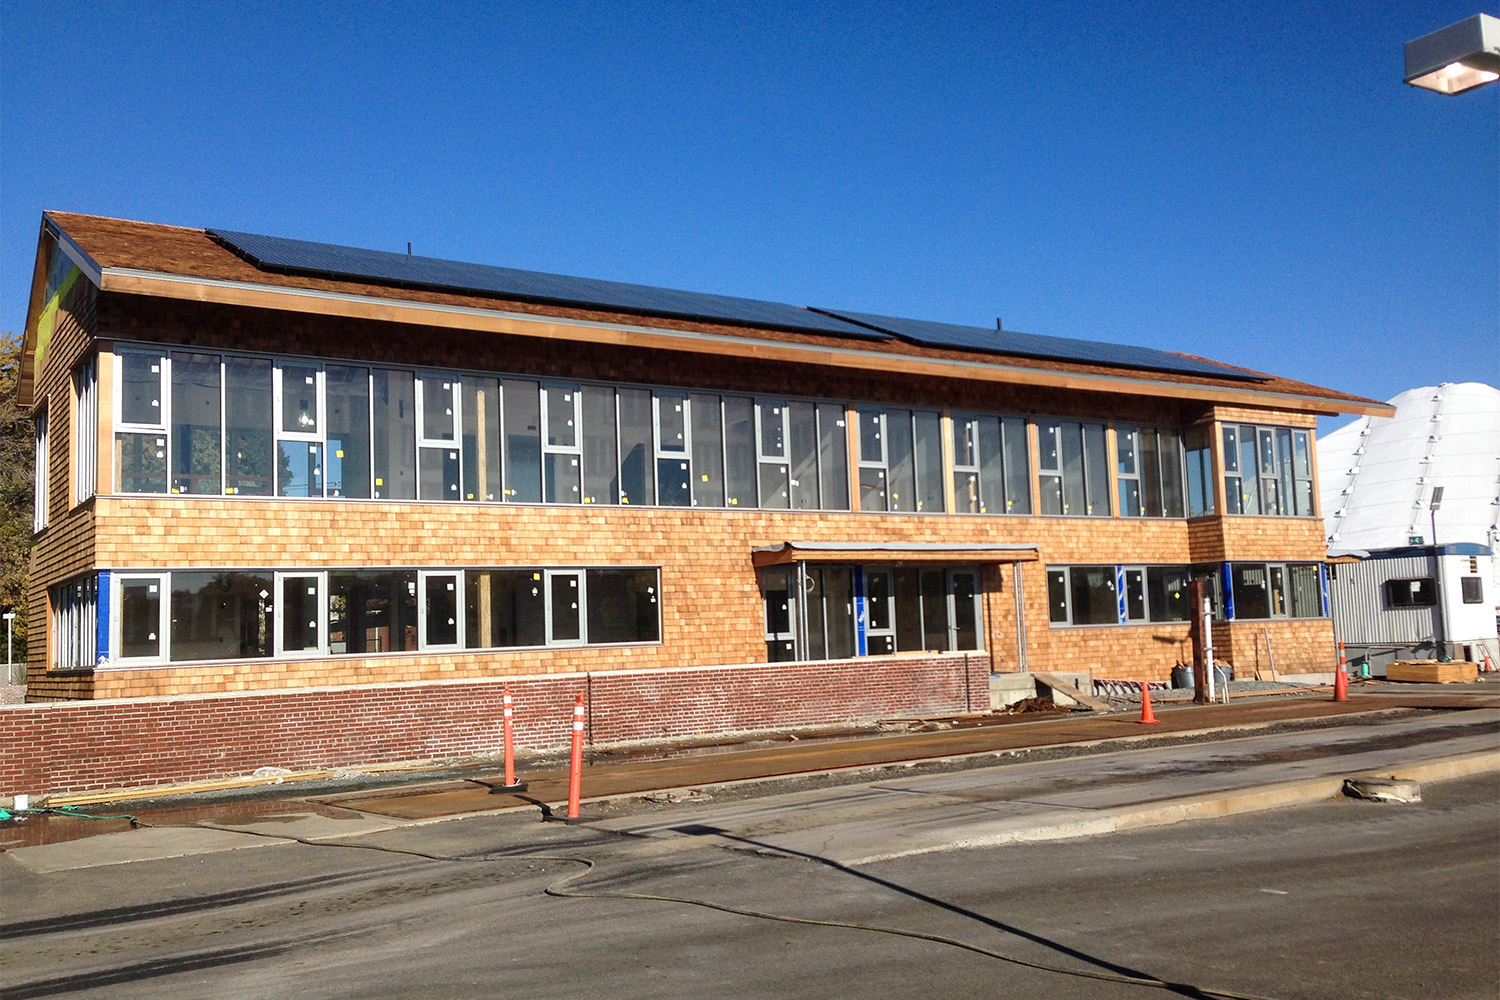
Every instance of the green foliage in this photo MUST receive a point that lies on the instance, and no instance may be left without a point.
(15, 490)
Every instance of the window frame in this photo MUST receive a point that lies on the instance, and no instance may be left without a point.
(118, 581)
(41, 460)
(85, 438)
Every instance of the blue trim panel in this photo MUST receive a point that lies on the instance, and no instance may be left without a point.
(101, 604)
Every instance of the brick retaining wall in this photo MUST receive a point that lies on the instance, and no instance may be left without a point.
(78, 746)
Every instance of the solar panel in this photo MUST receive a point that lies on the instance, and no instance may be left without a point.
(1031, 345)
(274, 253)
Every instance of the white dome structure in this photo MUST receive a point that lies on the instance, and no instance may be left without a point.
(1377, 474)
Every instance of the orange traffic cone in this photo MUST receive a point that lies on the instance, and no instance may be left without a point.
(1340, 685)
(1148, 717)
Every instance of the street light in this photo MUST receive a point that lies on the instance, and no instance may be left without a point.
(1433, 505)
(1457, 58)
(10, 616)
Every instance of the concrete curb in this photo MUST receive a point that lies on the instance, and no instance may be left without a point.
(1212, 805)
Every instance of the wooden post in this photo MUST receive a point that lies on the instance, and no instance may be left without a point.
(1200, 642)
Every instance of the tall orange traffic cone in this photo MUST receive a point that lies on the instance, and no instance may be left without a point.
(1148, 717)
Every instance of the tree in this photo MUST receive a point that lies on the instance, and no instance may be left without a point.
(15, 490)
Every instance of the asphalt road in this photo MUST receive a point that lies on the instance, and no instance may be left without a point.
(1343, 899)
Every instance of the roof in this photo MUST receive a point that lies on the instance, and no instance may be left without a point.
(1377, 474)
(150, 258)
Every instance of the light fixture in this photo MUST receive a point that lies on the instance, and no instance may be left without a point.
(1457, 58)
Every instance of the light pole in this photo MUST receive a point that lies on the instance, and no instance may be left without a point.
(1457, 58)
(1437, 571)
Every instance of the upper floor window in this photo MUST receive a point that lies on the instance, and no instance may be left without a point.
(1074, 468)
(991, 468)
(1200, 471)
(900, 459)
(212, 424)
(40, 458)
(1149, 471)
(85, 431)
(1268, 470)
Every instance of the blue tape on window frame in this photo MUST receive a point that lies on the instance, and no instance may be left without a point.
(102, 617)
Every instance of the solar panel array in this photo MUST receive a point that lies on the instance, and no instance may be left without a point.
(1031, 345)
(278, 254)
(274, 253)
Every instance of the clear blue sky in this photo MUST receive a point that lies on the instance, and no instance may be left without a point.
(1250, 182)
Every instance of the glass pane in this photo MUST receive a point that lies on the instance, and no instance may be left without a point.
(708, 452)
(878, 599)
(871, 443)
(1130, 498)
(347, 463)
(991, 467)
(196, 444)
(1200, 494)
(299, 613)
(440, 604)
(300, 469)
(674, 482)
(1251, 596)
(1171, 473)
(523, 442)
(1135, 595)
(1126, 439)
(1096, 456)
(833, 456)
(1072, 468)
(1151, 470)
(372, 612)
(929, 459)
(802, 419)
(901, 468)
(776, 590)
(908, 610)
(1052, 494)
(1094, 599)
(623, 606)
(248, 433)
(812, 615)
(141, 463)
(1168, 593)
(1301, 453)
(437, 407)
(1277, 590)
(838, 612)
(966, 441)
(560, 478)
(1057, 595)
(671, 423)
(966, 492)
(775, 485)
(1017, 466)
(221, 616)
(140, 389)
(1249, 484)
(567, 616)
(601, 468)
(395, 434)
(934, 610)
(1232, 449)
(772, 430)
(739, 451)
(140, 618)
(1307, 591)
(965, 613)
(1284, 467)
(481, 458)
(505, 608)
(299, 399)
(1305, 498)
(561, 430)
(439, 474)
(637, 455)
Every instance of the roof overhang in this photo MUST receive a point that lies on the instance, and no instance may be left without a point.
(472, 319)
(786, 553)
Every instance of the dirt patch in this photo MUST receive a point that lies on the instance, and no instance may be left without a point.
(1034, 706)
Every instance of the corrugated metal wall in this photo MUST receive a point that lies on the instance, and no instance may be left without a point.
(1360, 615)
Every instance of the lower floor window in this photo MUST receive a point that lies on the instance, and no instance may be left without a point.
(1127, 595)
(194, 615)
(817, 612)
(1276, 590)
(75, 623)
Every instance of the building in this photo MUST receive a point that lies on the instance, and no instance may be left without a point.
(270, 465)
(1414, 579)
